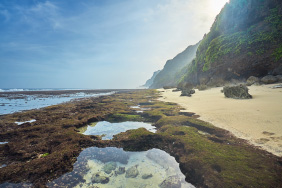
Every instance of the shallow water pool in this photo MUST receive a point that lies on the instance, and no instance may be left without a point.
(113, 167)
(110, 129)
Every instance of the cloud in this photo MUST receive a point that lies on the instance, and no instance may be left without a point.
(41, 14)
(82, 42)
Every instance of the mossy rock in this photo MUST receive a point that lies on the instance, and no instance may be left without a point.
(236, 92)
(109, 167)
(132, 172)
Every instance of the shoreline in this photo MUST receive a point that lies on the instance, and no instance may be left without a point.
(52, 143)
(19, 101)
(257, 120)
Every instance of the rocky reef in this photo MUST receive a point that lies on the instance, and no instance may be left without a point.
(216, 159)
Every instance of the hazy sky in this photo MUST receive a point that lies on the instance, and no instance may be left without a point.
(95, 43)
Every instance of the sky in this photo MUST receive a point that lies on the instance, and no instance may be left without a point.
(96, 44)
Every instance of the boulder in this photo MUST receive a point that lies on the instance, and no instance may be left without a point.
(236, 92)
(187, 92)
(120, 170)
(269, 79)
(109, 167)
(171, 182)
(147, 176)
(252, 80)
(132, 172)
(97, 178)
(279, 78)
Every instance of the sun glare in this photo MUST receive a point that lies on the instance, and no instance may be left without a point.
(217, 5)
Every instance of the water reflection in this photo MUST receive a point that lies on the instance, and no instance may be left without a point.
(109, 129)
(113, 167)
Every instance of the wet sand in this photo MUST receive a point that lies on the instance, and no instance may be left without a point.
(258, 120)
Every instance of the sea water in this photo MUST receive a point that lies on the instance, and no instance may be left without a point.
(152, 169)
(28, 102)
(108, 130)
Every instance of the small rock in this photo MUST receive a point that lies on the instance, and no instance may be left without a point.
(120, 170)
(252, 80)
(97, 178)
(236, 92)
(171, 182)
(269, 79)
(176, 90)
(132, 172)
(147, 176)
(109, 167)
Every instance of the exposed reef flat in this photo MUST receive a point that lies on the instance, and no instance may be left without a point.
(257, 120)
(41, 151)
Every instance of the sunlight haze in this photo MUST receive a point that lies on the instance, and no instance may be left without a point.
(96, 44)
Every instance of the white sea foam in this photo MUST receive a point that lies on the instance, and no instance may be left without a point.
(20, 123)
(28, 102)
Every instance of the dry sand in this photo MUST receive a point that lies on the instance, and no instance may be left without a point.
(258, 120)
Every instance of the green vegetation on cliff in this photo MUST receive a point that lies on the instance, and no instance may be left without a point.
(244, 40)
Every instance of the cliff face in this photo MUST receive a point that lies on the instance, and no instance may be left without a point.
(151, 80)
(168, 75)
(245, 40)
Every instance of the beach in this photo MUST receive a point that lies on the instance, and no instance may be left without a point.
(258, 120)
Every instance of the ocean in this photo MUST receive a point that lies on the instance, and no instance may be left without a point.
(16, 100)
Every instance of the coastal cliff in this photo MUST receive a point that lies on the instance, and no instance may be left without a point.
(244, 40)
(151, 80)
(168, 76)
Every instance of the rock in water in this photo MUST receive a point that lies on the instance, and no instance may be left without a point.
(147, 176)
(97, 178)
(120, 170)
(269, 79)
(171, 182)
(109, 167)
(132, 172)
(252, 80)
(236, 92)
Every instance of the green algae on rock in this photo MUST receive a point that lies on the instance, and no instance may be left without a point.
(216, 159)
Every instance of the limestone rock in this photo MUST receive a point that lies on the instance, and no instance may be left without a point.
(97, 178)
(279, 78)
(109, 167)
(187, 92)
(171, 182)
(147, 176)
(252, 80)
(120, 170)
(236, 92)
(269, 79)
(132, 172)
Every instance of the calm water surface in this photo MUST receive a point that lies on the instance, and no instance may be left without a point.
(113, 167)
(110, 129)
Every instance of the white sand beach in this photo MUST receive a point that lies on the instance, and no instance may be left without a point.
(258, 120)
